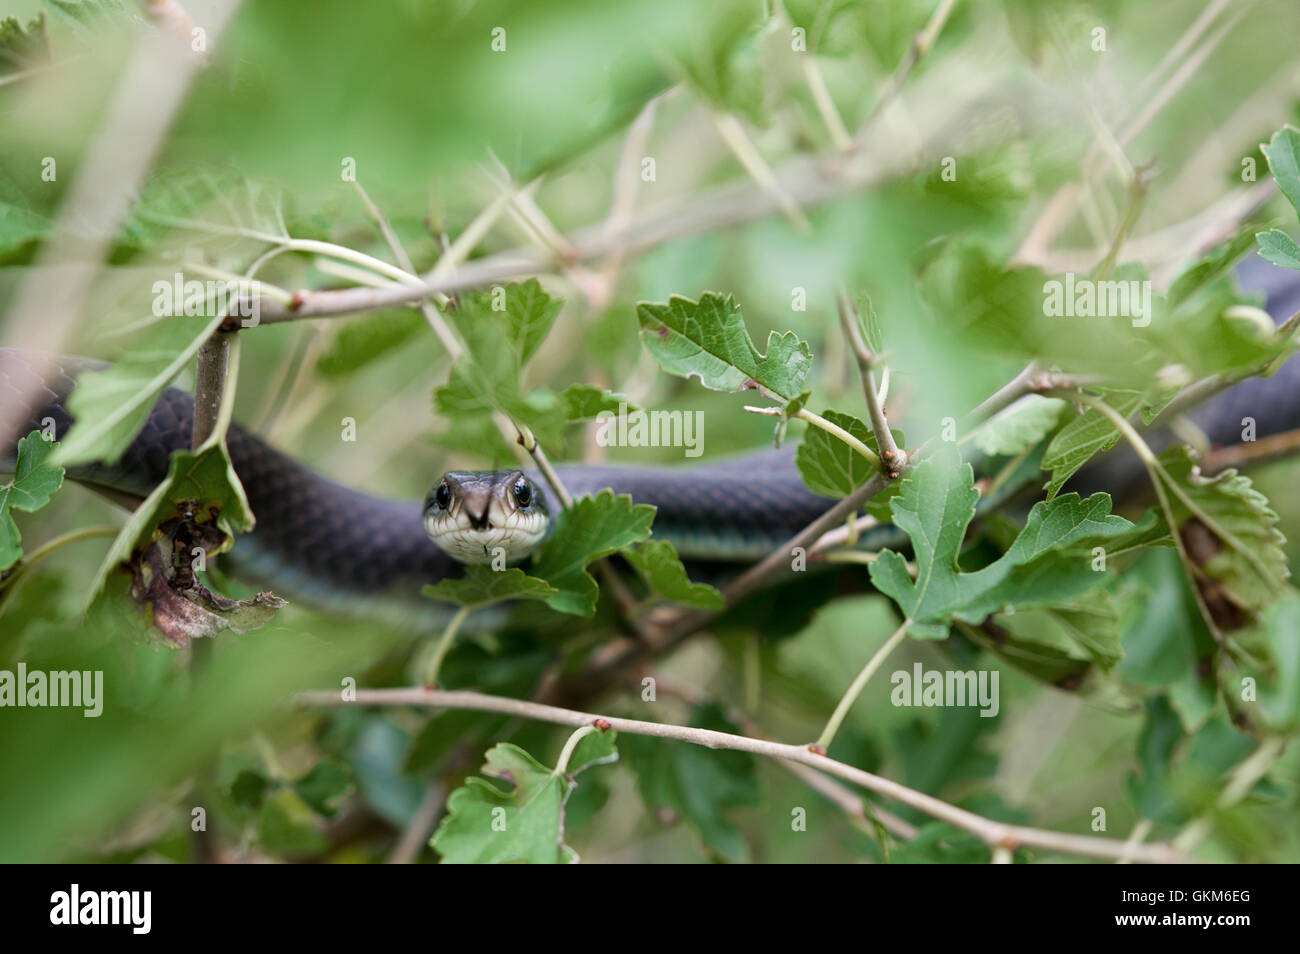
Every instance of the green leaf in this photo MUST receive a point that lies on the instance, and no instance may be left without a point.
(482, 586)
(110, 406)
(1279, 248)
(286, 825)
(1277, 684)
(1088, 434)
(488, 825)
(1079, 629)
(831, 467)
(1020, 426)
(657, 563)
(1283, 154)
(725, 66)
(592, 528)
(697, 784)
(582, 402)
(1233, 503)
(367, 338)
(34, 483)
(708, 340)
(324, 786)
(502, 328)
(1041, 567)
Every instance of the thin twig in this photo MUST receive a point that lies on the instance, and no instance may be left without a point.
(889, 452)
(992, 833)
(916, 50)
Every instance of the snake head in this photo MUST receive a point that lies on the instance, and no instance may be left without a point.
(485, 516)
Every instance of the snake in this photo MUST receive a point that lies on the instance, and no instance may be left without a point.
(343, 550)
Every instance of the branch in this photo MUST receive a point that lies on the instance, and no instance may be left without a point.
(995, 834)
(918, 48)
(892, 457)
(210, 386)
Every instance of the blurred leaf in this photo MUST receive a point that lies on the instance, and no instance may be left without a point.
(482, 586)
(111, 405)
(34, 483)
(699, 785)
(1232, 502)
(323, 787)
(1283, 154)
(1020, 426)
(287, 826)
(1279, 248)
(658, 564)
(708, 340)
(1042, 566)
(1088, 434)
(1080, 629)
(592, 528)
(366, 338)
(581, 402)
(1277, 684)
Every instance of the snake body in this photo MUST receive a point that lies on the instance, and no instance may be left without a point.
(339, 548)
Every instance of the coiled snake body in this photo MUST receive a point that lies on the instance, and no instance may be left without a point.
(335, 547)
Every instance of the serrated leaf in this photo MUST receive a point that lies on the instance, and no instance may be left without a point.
(1088, 434)
(1020, 426)
(1232, 502)
(482, 586)
(34, 483)
(1279, 248)
(934, 507)
(111, 405)
(831, 467)
(708, 340)
(489, 825)
(697, 784)
(658, 564)
(1277, 682)
(499, 341)
(592, 528)
(1283, 155)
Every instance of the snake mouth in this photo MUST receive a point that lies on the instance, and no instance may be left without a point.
(485, 517)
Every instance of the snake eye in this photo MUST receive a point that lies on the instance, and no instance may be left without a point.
(523, 492)
(442, 496)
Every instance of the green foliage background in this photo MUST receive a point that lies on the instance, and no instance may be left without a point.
(415, 95)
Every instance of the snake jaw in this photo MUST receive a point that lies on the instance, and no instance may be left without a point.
(477, 517)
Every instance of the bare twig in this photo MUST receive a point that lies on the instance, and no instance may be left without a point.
(416, 833)
(50, 299)
(918, 48)
(209, 386)
(890, 455)
(992, 833)
(1253, 452)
